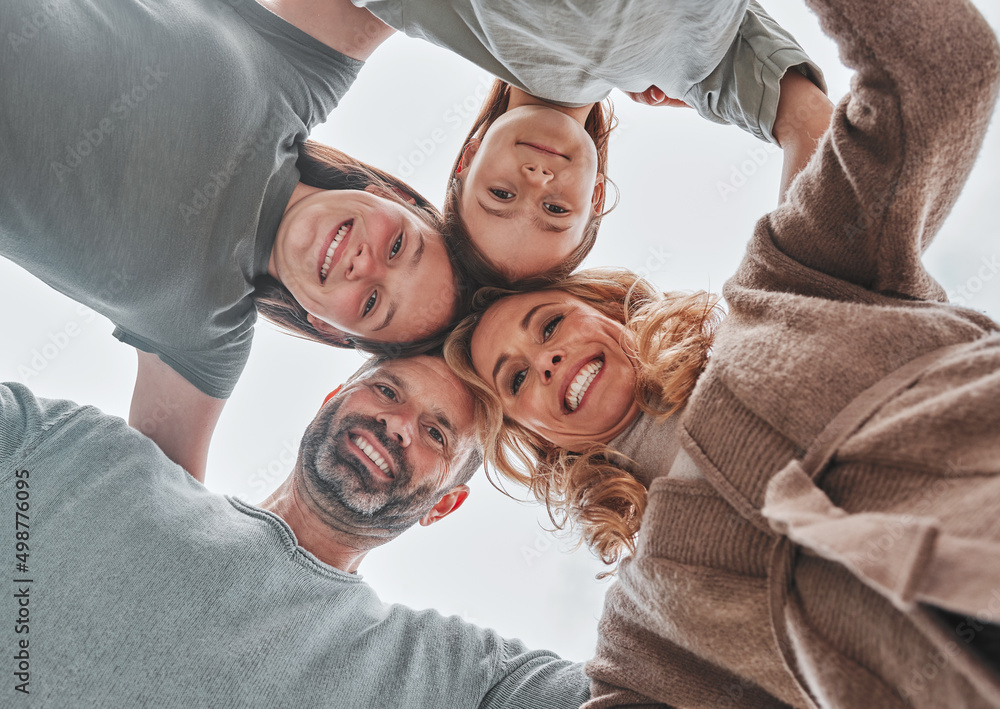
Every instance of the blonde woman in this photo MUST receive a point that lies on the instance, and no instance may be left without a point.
(813, 522)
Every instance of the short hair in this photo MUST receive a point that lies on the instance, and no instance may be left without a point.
(471, 465)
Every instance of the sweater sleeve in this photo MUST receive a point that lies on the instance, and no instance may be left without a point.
(24, 420)
(535, 679)
(900, 146)
(637, 667)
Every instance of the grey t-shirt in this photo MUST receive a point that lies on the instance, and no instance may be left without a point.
(723, 58)
(141, 588)
(148, 152)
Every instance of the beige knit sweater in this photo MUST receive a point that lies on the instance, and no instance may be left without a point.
(775, 581)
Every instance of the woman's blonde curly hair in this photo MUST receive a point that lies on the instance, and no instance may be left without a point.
(669, 335)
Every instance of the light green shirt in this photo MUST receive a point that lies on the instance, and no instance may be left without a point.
(724, 58)
(145, 589)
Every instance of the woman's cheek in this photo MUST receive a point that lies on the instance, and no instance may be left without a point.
(620, 395)
(534, 415)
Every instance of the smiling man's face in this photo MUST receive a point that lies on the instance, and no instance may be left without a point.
(381, 453)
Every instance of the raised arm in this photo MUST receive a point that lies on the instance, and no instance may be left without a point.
(765, 84)
(802, 118)
(174, 413)
(901, 143)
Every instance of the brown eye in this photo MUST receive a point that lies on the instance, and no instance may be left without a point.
(388, 392)
(516, 381)
(550, 327)
(371, 303)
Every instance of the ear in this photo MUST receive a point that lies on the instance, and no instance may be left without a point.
(331, 395)
(468, 152)
(598, 199)
(328, 329)
(448, 503)
(381, 191)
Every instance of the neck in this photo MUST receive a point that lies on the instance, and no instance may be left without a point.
(519, 98)
(338, 549)
(338, 24)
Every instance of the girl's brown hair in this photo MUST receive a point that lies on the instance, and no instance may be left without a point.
(477, 268)
(669, 335)
(330, 169)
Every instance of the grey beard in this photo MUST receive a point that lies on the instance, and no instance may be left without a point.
(342, 487)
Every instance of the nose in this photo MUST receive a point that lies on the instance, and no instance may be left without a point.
(536, 174)
(362, 264)
(547, 364)
(399, 425)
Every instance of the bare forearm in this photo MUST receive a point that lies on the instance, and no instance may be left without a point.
(174, 413)
(803, 116)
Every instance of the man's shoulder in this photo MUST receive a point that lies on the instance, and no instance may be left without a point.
(25, 420)
(72, 451)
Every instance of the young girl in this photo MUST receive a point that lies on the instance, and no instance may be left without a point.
(814, 525)
(528, 189)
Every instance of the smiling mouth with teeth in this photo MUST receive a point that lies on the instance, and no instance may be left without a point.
(373, 455)
(581, 383)
(344, 229)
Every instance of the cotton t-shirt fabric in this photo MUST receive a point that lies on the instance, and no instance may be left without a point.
(724, 59)
(148, 152)
(146, 589)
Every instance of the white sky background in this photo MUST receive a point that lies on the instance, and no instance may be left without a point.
(408, 112)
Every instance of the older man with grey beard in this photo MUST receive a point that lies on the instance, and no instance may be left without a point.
(134, 585)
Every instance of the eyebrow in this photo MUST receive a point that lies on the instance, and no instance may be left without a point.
(501, 361)
(525, 322)
(445, 423)
(538, 221)
(414, 260)
(388, 317)
(419, 252)
(396, 381)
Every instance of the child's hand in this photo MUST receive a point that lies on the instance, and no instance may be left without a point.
(654, 97)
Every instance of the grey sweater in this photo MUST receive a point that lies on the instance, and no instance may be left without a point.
(138, 587)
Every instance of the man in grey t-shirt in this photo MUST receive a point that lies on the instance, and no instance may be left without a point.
(132, 585)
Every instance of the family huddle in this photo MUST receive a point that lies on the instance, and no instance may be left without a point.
(795, 482)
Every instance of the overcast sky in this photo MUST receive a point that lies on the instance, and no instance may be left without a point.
(690, 194)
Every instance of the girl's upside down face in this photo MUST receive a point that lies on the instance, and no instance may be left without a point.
(529, 189)
(559, 367)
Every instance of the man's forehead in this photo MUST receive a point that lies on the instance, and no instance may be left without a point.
(423, 375)
(417, 368)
